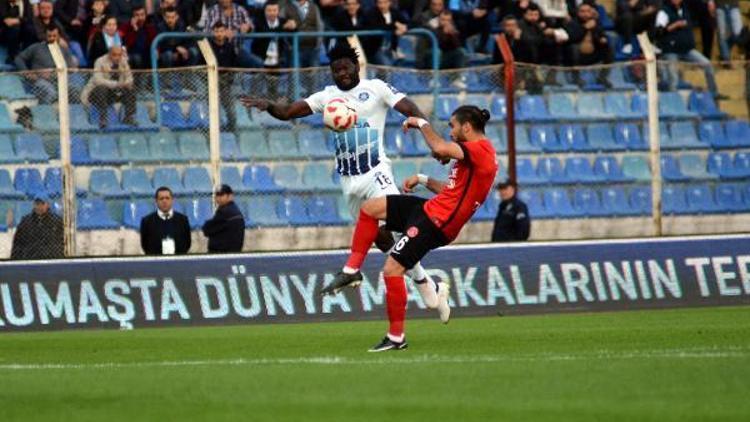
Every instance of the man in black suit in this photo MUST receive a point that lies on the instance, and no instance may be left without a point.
(387, 18)
(165, 231)
(226, 230)
(350, 18)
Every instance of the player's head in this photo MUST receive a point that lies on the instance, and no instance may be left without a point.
(163, 198)
(468, 121)
(344, 65)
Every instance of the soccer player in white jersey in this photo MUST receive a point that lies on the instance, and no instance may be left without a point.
(360, 153)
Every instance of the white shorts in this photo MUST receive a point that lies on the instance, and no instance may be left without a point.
(377, 182)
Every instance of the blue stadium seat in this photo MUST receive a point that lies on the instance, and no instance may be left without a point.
(163, 147)
(742, 163)
(531, 108)
(283, 143)
(343, 210)
(313, 144)
(93, 215)
(639, 104)
(265, 120)
(573, 139)
(229, 149)
(318, 177)
(579, 170)
(550, 168)
(682, 134)
(134, 211)
(497, 136)
(7, 125)
(143, 119)
(445, 106)
(253, 145)
(230, 175)
(616, 104)
(534, 203)
(7, 190)
(194, 146)
(79, 119)
(665, 140)
(618, 80)
(412, 146)
(720, 163)
(79, 152)
(606, 167)
(134, 148)
(197, 181)
(243, 118)
(629, 136)
(694, 167)
(103, 182)
(198, 115)
(169, 177)
(670, 169)
(112, 119)
(673, 200)
(738, 133)
(103, 150)
(523, 143)
(28, 181)
(672, 106)
(45, 118)
(600, 138)
(288, 177)
(29, 147)
(435, 170)
(700, 199)
(172, 117)
(53, 182)
(712, 133)
(729, 198)
(640, 200)
(258, 179)
(561, 107)
(7, 153)
(636, 167)
(13, 88)
(615, 202)
(403, 169)
(527, 174)
(586, 201)
(294, 209)
(480, 100)
(498, 108)
(488, 210)
(557, 202)
(135, 182)
(702, 102)
(198, 210)
(591, 107)
(546, 138)
(323, 210)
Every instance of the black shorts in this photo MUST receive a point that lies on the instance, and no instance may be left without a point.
(405, 214)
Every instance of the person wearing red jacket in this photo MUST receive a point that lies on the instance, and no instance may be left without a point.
(137, 35)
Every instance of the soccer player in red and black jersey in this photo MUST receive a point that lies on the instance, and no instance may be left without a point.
(425, 224)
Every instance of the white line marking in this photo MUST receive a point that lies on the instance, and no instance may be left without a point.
(731, 352)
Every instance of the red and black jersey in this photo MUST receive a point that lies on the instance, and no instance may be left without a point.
(468, 185)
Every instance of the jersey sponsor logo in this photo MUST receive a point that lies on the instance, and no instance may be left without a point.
(364, 96)
(413, 231)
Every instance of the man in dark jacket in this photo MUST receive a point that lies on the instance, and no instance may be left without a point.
(589, 44)
(137, 35)
(40, 233)
(383, 17)
(226, 230)
(272, 52)
(15, 15)
(512, 223)
(165, 231)
(227, 58)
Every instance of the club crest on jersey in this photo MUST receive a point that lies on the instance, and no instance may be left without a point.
(363, 96)
(412, 232)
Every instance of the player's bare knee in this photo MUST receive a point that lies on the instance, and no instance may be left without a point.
(375, 208)
(393, 268)
(384, 241)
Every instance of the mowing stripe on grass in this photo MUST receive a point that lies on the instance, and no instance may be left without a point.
(725, 352)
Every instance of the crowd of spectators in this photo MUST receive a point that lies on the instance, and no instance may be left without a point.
(551, 32)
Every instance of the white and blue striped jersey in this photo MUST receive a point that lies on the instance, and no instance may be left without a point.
(361, 148)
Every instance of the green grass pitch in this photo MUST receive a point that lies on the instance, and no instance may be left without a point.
(664, 365)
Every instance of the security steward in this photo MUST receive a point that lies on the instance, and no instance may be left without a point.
(226, 230)
(512, 223)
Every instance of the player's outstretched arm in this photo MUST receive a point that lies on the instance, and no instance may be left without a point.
(408, 108)
(434, 185)
(441, 149)
(280, 111)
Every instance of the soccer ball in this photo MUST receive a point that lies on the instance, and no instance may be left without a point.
(338, 115)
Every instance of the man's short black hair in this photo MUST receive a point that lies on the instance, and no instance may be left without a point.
(533, 7)
(343, 50)
(51, 28)
(162, 189)
(169, 9)
(218, 24)
(271, 3)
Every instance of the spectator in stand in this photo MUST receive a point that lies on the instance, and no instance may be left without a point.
(94, 19)
(66, 12)
(729, 24)
(634, 17)
(512, 223)
(40, 233)
(524, 44)
(472, 17)
(226, 230)
(191, 11)
(226, 57)
(76, 26)
(518, 8)
(429, 19)
(452, 54)
(350, 18)
(383, 17)
(137, 36)
(38, 57)
(703, 13)
(103, 40)
(122, 10)
(37, 32)
(272, 52)
(174, 52)
(329, 11)
(548, 40)
(15, 15)
(589, 44)
(165, 231)
(306, 16)
(675, 39)
(111, 82)
(237, 21)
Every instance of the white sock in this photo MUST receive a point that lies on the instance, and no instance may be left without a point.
(428, 289)
(350, 270)
(397, 339)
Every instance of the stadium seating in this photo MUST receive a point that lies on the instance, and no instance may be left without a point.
(324, 210)
(79, 153)
(561, 107)
(557, 201)
(550, 168)
(194, 146)
(523, 143)
(628, 135)
(738, 133)
(700, 199)
(169, 177)
(702, 102)
(135, 182)
(7, 190)
(313, 144)
(45, 118)
(294, 209)
(228, 147)
(445, 106)
(243, 118)
(434, 170)
(6, 123)
(607, 168)
(672, 106)
(682, 135)
(29, 147)
(172, 117)
(402, 169)
(729, 198)
(527, 174)
(13, 88)
(253, 145)
(712, 133)
(318, 177)
(134, 211)
(670, 169)
(103, 150)
(230, 175)
(720, 164)
(640, 200)
(532, 108)
(103, 182)
(694, 167)
(288, 177)
(93, 215)
(79, 119)
(198, 210)
(7, 153)
(615, 202)
(600, 138)
(142, 118)
(591, 107)
(673, 200)
(134, 148)
(616, 104)
(586, 201)
(637, 168)
(571, 138)
(258, 179)
(282, 143)
(197, 181)
(28, 181)
(546, 138)
(163, 147)
(579, 170)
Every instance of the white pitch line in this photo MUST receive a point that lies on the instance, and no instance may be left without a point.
(687, 353)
